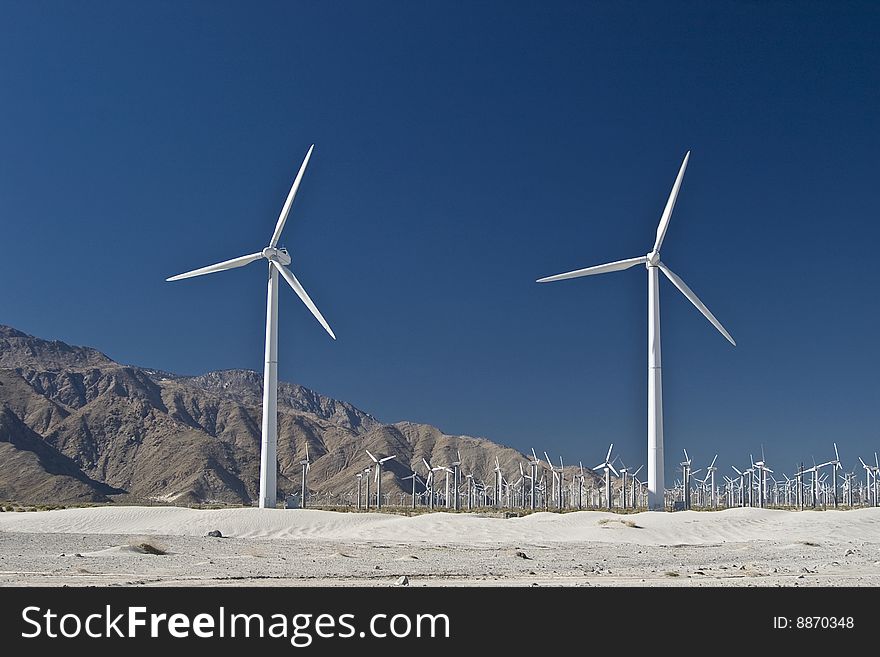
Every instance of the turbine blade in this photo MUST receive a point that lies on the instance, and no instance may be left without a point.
(713, 460)
(371, 456)
(220, 266)
(694, 299)
(670, 204)
(608, 456)
(387, 458)
(598, 269)
(616, 473)
(303, 295)
(282, 218)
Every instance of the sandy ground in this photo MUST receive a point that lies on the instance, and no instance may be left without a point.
(275, 547)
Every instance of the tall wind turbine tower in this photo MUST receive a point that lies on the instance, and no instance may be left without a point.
(278, 261)
(656, 484)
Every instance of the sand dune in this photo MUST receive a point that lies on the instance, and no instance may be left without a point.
(291, 547)
(683, 528)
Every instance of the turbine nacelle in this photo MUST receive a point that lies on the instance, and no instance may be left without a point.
(652, 259)
(276, 255)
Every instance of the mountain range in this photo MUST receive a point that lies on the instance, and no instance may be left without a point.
(76, 426)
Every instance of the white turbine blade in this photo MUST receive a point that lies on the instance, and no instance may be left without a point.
(836, 454)
(282, 218)
(738, 471)
(608, 456)
(598, 269)
(686, 455)
(601, 466)
(220, 266)
(301, 293)
(670, 204)
(616, 473)
(371, 456)
(637, 471)
(694, 299)
(387, 458)
(713, 460)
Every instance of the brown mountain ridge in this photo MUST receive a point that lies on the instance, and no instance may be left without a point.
(76, 426)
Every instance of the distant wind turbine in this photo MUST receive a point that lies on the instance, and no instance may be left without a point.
(656, 484)
(278, 261)
(608, 468)
(379, 462)
(306, 464)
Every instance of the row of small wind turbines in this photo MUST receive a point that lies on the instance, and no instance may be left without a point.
(620, 486)
(655, 494)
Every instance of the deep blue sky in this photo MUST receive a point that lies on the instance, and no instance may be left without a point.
(463, 150)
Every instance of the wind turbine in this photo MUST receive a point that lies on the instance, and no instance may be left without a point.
(306, 464)
(415, 478)
(456, 472)
(498, 479)
(633, 481)
(379, 463)
(367, 472)
(711, 472)
(360, 476)
(278, 261)
(763, 471)
(742, 485)
(836, 465)
(558, 480)
(580, 477)
(608, 468)
(534, 462)
(656, 485)
(531, 479)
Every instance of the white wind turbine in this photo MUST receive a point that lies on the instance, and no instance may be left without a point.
(278, 261)
(608, 468)
(306, 464)
(711, 473)
(558, 480)
(379, 463)
(415, 479)
(656, 484)
(498, 480)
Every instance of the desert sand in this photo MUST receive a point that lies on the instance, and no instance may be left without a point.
(276, 547)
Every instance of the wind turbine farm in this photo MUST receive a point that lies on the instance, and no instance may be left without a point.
(161, 428)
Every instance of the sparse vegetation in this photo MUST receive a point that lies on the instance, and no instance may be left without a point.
(626, 523)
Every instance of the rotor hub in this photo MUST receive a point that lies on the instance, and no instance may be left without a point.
(653, 259)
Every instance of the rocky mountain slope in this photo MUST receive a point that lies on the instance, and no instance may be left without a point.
(76, 426)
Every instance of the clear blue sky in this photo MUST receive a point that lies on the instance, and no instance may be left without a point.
(463, 150)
